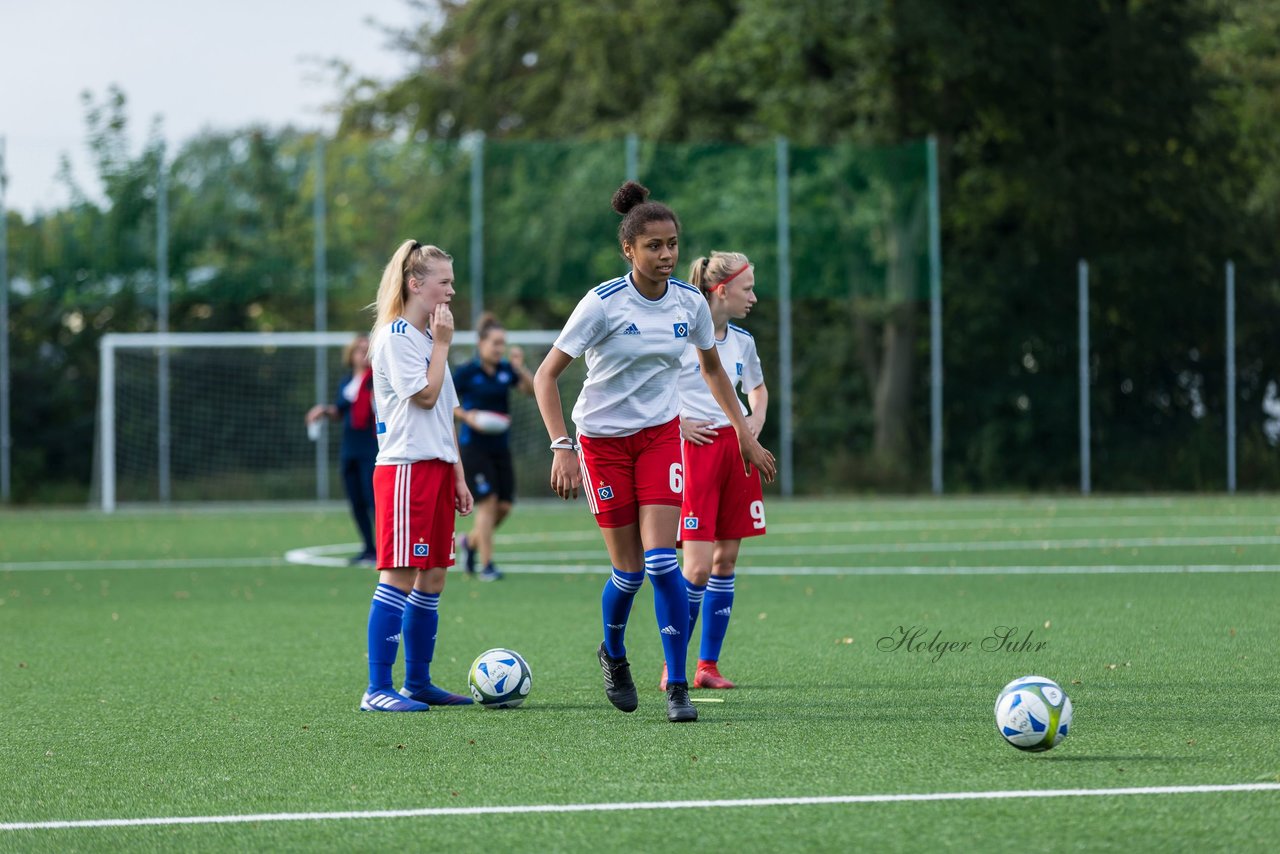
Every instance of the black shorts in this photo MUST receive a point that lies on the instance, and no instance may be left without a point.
(489, 473)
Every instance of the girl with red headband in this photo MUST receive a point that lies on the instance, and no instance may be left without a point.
(722, 503)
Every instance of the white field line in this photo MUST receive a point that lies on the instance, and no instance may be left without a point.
(854, 526)
(324, 555)
(158, 563)
(429, 812)
(897, 548)
(601, 568)
(596, 566)
(1017, 524)
(590, 563)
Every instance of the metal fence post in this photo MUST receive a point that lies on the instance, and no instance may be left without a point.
(164, 439)
(6, 437)
(320, 264)
(107, 418)
(935, 314)
(1082, 281)
(786, 467)
(477, 230)
(1231, 377)
(633, 157)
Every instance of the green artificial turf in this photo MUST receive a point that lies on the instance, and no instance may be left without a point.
(159, 664)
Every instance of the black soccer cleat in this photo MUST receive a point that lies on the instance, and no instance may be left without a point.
(679, 709)
(618, 685)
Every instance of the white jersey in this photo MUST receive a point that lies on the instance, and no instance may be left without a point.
(407, 433)
(741, 362)
(633, 347)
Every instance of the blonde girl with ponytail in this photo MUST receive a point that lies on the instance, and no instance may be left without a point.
(418, 482)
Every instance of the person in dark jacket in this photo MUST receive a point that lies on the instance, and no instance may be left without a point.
(354, 408)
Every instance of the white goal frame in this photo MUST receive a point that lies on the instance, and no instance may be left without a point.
(162, 342)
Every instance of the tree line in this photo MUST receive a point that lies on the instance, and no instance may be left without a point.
(1142, 136)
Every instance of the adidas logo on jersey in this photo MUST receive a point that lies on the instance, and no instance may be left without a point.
(670, 630)
(631, 329)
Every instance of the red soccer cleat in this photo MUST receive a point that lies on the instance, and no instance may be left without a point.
(707, 676)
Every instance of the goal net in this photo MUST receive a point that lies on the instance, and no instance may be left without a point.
(191, 417)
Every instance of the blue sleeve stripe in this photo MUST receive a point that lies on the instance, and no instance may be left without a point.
(740, 330)
(686, 286)
(604, 286)
(605, 294)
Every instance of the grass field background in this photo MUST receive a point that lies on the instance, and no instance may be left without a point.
(172, 663)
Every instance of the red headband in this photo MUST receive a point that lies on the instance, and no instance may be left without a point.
(729, 278)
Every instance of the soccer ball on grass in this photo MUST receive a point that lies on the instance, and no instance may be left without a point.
(500, 679)
(1033, 713)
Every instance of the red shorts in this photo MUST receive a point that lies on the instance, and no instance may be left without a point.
(414, 514)
(720, 501)
(621, 473)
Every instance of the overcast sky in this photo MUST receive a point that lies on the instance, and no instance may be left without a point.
(221, 64)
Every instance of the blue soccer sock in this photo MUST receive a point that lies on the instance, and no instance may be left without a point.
(421, 620)
(718, 606)
(386, 614)
(671, 605)
(696, 592)
(615, 604)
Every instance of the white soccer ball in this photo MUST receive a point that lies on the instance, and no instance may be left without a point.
(500, 679)
(492, 423)
(1033, 713)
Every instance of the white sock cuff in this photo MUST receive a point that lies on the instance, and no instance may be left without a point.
(389, 596)
(429, 601)
(627, 585)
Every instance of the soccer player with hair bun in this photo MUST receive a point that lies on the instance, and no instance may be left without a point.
(418, 481)
(634, 332)
(722, 503)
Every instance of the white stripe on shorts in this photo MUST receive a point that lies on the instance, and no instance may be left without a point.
(402, 514)
(592, 504)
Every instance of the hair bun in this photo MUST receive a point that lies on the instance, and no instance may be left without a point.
(628, 196)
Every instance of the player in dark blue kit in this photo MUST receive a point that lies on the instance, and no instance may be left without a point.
(484, 387)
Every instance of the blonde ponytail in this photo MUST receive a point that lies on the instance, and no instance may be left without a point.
(411, 260)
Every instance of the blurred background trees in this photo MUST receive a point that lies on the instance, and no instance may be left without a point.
(1142, 136)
